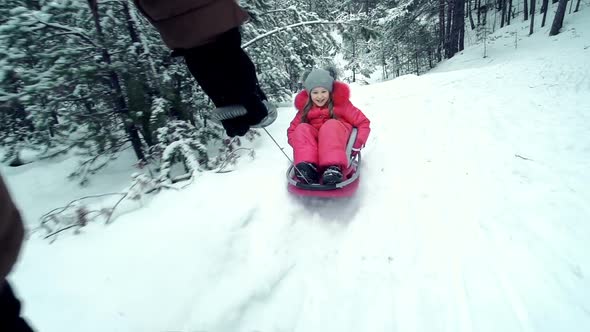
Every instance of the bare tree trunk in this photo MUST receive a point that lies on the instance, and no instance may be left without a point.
(558, 20)
(509, 16)
(470, 16)
(417, 62)
(354, 59)
(502, 20)
(132, 32)
(383, 63)
(54, 121)
(543, 6)
(533, 4)
(120, 103)
(461, 13)
(448, 35)
(485, 15)
(16, 110)
(577, 6)
(478, 11)
(544, 9)
(462, 38)
(458, 27)
(144, 80)
(526, 9)
(441, 27)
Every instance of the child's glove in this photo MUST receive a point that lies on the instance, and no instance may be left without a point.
(356, 148)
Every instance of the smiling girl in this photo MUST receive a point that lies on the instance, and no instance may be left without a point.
(321, 129)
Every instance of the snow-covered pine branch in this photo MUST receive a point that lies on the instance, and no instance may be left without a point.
(180, 149)
(68, 30)
(287, 27)
(280, 10)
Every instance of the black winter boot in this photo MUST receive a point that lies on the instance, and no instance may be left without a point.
(228, 76)
(307, 173)
(332, 175)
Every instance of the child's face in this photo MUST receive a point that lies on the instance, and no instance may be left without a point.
(320, 96)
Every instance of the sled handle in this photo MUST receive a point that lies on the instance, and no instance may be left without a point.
(350, 144)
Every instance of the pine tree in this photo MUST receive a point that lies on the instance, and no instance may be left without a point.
(282, 55)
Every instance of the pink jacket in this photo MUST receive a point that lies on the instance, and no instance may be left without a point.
(344, 110)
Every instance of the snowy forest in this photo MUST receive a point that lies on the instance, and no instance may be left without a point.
(93, 78)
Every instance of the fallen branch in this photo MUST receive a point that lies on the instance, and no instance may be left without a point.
(49, 215)
(181, 178)
(230, 159)
(112, 211)
(192, 178)
(521, 157)
(59, 231)
(280, 10)
(81, 221)
(77, 215)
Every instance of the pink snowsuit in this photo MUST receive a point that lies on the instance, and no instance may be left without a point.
(323, 140)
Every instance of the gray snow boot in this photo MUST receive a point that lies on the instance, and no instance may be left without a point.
(234, 111)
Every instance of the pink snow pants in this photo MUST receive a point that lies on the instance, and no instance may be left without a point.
(323, 147)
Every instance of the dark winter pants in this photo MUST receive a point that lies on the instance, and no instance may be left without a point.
(10, 320)
(228, 76)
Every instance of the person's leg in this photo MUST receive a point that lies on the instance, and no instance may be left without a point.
(332, 139)
(228, 76)
(305, 144)
(260, 112)
(10, 308)
(305, 153)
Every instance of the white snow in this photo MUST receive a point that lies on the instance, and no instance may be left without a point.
(472, 215)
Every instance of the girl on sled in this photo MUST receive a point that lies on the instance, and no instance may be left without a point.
(321, 129)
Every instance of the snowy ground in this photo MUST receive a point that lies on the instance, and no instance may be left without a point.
(472, 215)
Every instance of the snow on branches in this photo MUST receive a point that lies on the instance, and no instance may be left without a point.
(179, 150)
(180, 142)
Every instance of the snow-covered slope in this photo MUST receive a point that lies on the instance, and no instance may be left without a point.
(472, 215)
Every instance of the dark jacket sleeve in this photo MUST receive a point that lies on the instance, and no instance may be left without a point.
(11, 232)
(189, 23)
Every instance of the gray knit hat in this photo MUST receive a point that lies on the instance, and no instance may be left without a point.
(318, 78)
